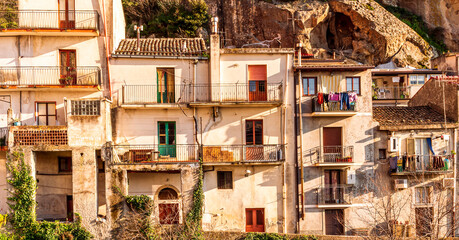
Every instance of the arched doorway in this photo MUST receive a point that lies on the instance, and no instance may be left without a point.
(168, 206)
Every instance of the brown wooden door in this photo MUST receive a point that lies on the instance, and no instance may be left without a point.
(257, 83)
(67, 14)
(254, 136)
(333, 193)
(68, 67)
(332, 144)
(334, 222)
(254, 219)
(423, 221)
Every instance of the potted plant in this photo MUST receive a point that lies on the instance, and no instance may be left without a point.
(16, 122)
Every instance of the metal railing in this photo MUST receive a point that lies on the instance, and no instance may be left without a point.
(155, 153)
(330, 154)
(421, 163)
(49, 19)
(49, 76)
(243, 153)
(391, 92)
(239, 92)
(151, 94)
(333, 106)
(334, 194)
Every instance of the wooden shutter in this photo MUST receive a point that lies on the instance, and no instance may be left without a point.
(257, 72)
(410, 150)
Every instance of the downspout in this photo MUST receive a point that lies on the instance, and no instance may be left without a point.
(284, 141)
(107, 51)
(455, 177)
(300, 112)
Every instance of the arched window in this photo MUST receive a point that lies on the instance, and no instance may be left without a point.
(168, 206)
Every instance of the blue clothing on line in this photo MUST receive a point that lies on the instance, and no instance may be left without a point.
(344, 99)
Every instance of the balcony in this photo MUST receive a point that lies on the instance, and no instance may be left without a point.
(152, 95)
(333, 109)
(391, 93)
(49, 23)
(39, 135)
(421, 164)
(255, 93)
(334, 196)
(331, 156)
(154, 154)
(36, 77)
(243, 154)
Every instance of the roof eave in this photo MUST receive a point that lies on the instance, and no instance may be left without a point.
(158, 57)
(392, 128)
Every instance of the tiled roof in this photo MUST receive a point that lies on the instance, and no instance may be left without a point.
(396, 116)
(173, 47)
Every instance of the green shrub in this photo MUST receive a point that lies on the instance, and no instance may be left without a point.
(275, 236)
(140, 203)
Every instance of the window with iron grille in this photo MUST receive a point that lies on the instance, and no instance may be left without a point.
(85, 107)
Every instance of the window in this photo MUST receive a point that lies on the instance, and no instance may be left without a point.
(166, 85)
(423, 195)
(85, 107)
(309, 86)
(257, 82)
(382, 153)
(417, 79)
(225, 180)
(168, 206)
(65, 164)
(68, 73)
(46, 113)
(353, 84)
(254, 132)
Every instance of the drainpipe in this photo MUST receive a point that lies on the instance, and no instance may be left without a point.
(455, 177)
(107, 49)
(284, 141)
(300, 112)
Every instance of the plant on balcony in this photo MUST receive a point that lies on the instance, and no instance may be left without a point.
(66, 80)
(8, 14)
(16, 122)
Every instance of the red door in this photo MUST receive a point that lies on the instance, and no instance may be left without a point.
(254, 136)
(257, 83)
(68, 74)
(67, 14)
(254, 219)
(332, 144)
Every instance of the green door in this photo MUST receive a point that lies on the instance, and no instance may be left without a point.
(166, 133)
(166, 85)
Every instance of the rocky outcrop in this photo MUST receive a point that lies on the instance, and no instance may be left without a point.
(441, 16)
(361, 30)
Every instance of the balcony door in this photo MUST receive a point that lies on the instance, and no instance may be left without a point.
(67, 14)
(166, 134)
(254, 220)
(166, 85)
(254, 140)
(68, 74)
(257, 83)
(333, 191)
(332, 145)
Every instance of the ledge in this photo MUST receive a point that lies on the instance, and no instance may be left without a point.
(154, 106)
(257, 51)
(49, 32)
(235, 104)
(334, 206)
(330, 114)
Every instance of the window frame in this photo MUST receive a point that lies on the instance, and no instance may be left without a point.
(89, 102)
(359, 92)
(427, 192)
(227, 185)
(60, 165)
(254, 132)
(37, 116)
(308, 86)
(416, 82)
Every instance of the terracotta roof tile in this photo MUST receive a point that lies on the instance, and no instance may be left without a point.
(173, 47)
(396, 116)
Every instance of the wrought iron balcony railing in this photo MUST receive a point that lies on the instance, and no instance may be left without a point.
(380, 93)
(49, 76)
(257, 91)
(243, 153)
(421, 164)
(152, 94)
(334, 194)
(330, 155)
(155, 153)
(49, 20)
(333, 106)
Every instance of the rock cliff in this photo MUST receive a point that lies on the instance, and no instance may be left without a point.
(361, 30)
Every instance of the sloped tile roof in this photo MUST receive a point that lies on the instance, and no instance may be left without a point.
(397, 116)
(173, 47)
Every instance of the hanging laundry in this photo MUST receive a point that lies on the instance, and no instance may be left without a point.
(344, 101)
(320, 98)
(326, 97)
(393, 164)
(352, 97)
(333, 97)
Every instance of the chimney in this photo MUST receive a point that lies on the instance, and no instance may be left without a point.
(138, 29)
(214, 61)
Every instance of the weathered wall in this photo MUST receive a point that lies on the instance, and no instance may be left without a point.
(431, 94)
(3, 184)
(225, 208)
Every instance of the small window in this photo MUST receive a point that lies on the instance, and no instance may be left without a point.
(353, 84)
(65, 164)
(423, 195)
(417, 79)
(225, 179)
(85, 107)
(46, 113)
(309, 86)
(382, 153)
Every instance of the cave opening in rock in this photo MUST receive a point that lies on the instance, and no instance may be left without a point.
(340, 32)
